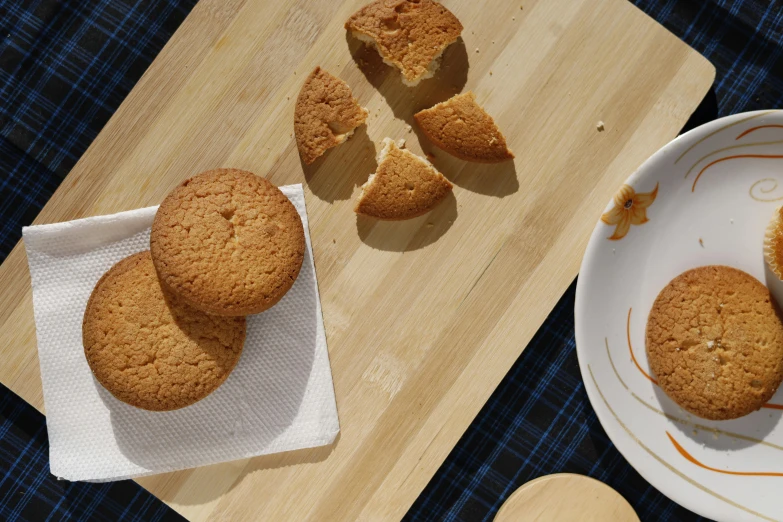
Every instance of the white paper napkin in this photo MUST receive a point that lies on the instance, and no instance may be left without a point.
(278, 398)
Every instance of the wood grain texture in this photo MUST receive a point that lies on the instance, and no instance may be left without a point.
(423, 317)
(565, 497)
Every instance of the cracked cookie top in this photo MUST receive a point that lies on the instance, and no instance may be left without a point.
(715, 342)
(227, 242)
(147, 347)
(408, 34)
(326, 114)
(461, 127)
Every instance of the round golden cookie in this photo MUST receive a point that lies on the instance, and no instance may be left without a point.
(715, 342)
(147, 347)
(228, 242)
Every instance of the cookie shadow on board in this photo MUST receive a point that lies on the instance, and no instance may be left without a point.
(290, 458)
(248, 412)
(410, 234)
(718, 434)
(404, 101)
(334, 175)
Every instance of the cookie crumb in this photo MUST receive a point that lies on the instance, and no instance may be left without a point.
(701, 242)
(600, 126)
(409, 128)
(477, 49)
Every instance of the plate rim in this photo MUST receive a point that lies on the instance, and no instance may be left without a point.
(608, 423)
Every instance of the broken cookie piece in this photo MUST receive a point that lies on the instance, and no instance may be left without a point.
(404, 185)
(326, 114)
(408, 34)
(463, 129)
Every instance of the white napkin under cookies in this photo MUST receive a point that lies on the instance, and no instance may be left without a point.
(280, 396)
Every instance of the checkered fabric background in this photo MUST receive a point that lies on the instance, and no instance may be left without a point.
(65, 66)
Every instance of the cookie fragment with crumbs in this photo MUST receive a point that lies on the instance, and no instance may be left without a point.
(326, 114)
(404, 185)
(461, 127)
(408, 34)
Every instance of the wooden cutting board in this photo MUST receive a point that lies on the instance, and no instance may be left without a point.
(423, 317)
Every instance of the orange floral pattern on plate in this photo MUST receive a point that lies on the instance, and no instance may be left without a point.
(629, 209)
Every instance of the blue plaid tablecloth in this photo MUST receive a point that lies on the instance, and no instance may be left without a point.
(65, 66)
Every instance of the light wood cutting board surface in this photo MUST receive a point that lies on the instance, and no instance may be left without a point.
(424, 317)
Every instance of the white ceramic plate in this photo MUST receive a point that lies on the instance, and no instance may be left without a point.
(705, 198)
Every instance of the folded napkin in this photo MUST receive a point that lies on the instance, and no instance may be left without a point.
(278, 398)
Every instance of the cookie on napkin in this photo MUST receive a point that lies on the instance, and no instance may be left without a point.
(227, 242)
(151, 350)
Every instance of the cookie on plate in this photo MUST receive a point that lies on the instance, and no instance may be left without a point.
(773, 243)
(326, 114)
(228, 242)
(463, 129)
(715, 342)
(403, 186)
(408, 34)
(147, 347)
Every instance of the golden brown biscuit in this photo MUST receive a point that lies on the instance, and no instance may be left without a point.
(715, 342)
(463, 129)
(147, 347)
(404, 186)
(326, 114)
(227, 242)
(773, 243)
(408, 34)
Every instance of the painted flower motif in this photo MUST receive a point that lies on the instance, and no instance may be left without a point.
(629, 209)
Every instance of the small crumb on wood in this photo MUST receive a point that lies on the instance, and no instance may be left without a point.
(701, 242)
(334, 241)
(600, 126)
(490, 73)
(513, 18)
(477, 49)
(409, 128)
(429, 155)
(430, 225)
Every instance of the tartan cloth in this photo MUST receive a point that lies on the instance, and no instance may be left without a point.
(65, 66)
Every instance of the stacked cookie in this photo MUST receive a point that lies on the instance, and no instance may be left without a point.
(412, 36)
(165, 327)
